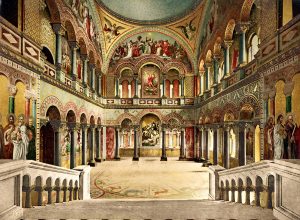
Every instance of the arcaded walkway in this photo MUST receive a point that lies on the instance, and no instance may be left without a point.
(149, 178)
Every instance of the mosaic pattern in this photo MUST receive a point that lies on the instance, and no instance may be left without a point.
(149, 178)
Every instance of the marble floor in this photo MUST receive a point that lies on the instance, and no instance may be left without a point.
(149, 178)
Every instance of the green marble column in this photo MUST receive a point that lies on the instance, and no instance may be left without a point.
(11, 104)
(288, 103)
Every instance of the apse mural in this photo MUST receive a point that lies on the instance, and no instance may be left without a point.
(150, 43)
(150, 130)
(150, 82)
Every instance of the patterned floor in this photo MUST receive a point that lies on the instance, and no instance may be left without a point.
(149, 178)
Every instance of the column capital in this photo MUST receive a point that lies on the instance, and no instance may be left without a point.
(181, 76)
(58, 28)
(288, 88)
(242, 27)
(228, 43)
(84, 57)
(12, 90)
(71, 125)
(73, 45)
(272, 94)
(207, 64)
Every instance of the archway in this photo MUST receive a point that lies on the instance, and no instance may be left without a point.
(49, 148)
(150, 139)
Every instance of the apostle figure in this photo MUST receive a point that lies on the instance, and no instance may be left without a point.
(31, 136)
(7, 152)
(20, 140)
(279, 136)
(289, 142)
(269, 139)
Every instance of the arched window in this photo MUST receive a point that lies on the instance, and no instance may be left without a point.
(253, 49)
(221, 72)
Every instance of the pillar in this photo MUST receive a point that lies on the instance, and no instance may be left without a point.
(92, 147)
(58, 29)
(239, 198)
(203, 144)
(93, 77)
(72, 152)
(117, 149)
(136, 87)
(164, 86)
(27, 105)
(215, 147)
(227, 45)
(243, 49)
(84, 72)
(288, 90)
(242, 145)
(135, 150)
(12, 90)
(265, 97)
(55, 124)
(232, 193)
(182, 85)
(98, 147)
(202, 73)
(206, 144)
(200, 144)
(34, 111)
(104, 142)
(100, 85)
(272, 95)
(163, 149)
(216, 70)
(74, 48)
(226, 148)
(247, 189)
(182, 154)
(117, 88)
(84, 139)
(206, 86)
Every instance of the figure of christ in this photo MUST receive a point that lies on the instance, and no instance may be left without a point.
(151, 77)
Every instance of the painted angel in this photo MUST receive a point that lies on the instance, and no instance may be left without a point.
(112, 30)
(188, 30)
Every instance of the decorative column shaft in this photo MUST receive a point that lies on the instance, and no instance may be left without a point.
(227, 58)
(182, 154)
(117, 88)
(93, 77)
(203, 144)
(58, 29)
(202, 86)
(226, 148)
(12, 90)
(242, 146)
(84, 72)
(200, 144)
(243, 49)
(215, 147)
(74, 48)
(117, 149)
(27, 106)
(135, 152)
(83, 137)
(288, 90)
(100, 85)
(34, 112)
(72, 153)
(163, 150)
(92, 147)
(182, 86)
(98, 144)
(216, 70)
(55, 124)
(136, 88)
(164, 87)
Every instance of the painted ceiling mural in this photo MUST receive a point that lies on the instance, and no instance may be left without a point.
(149, 11)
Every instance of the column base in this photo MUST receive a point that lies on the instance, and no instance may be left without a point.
(163, 159)
(117, 158)
(135, 158)
(92, 163)
(99, 160)
(182, 158)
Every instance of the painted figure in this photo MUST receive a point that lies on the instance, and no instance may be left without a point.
(31, 136)
(20, 140)
(279, 135)
(7, 132)
(289, 141)
(269, 139)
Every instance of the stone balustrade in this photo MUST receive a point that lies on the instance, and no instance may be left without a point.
(266, 184)
(26, 183)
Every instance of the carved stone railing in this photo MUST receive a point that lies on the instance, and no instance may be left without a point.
(269, 184)
(26, 183)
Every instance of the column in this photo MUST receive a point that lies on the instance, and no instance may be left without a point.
(182, 154)
(202, 73)
(117, 153)
(98, 149)
(164, 86)
(34, 111)
(203, 142)
(83, 139)
(71, 127)
(215, 147)
(200, 144)
(135, 150)
(265, 97)
(93, 77)
(100, 85)
(233, 193)
(12, 90)
(272, 102)
(226, 148)
(27, 105)
(92, 147)
(247, 189)
(243, 51)
(216, 69)
(182, 86)
(171, 89)
(74, 48)
(58, 29)
(104, 143)
(242, 145)
(163, 149)
(206, 144)
(136, 87)
(117, 88)
(239, 197)
(227, 45)
(288, 90)
(55, 124)
(84, 71)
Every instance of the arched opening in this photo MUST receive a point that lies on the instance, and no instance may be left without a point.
(258, 190)
(150, 125)
(270, 191)
(69, 146)
(49, 137)
(253, 49)
(48, 55)
(150, 75)
(126, 134)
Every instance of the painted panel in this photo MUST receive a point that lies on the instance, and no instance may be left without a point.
(189, 142)
(110, 142)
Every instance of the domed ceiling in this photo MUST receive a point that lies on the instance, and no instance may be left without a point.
(149, 11)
